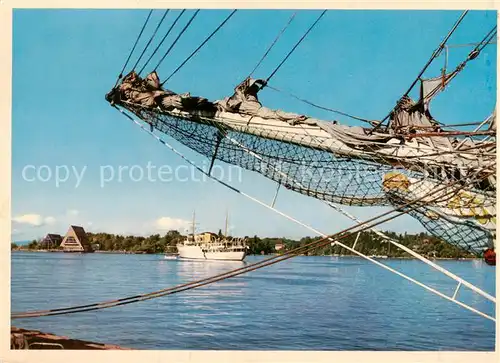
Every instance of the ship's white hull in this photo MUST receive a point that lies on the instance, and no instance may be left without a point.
(196, 253)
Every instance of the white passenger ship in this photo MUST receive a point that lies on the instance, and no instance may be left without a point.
(209, 246)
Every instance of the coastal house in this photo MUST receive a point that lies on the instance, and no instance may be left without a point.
(76, 240)
(51, 241)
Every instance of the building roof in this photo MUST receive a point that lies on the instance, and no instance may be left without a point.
(53, 236)
(77, 233)
(80, 233)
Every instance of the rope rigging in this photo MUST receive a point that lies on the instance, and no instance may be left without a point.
(178, 37)
(199, 47)
(320, 107)
(200, 140)
(290, 94)
(151, 38)
(295, 46)
(133, 48)
(433, 56)
(257, 65)
(479, 47)
(472, 55)
(417, 256)
(269, 261)
(376, 124)
(488, 41)
(371, 122)
(272, 44)
(162, 40)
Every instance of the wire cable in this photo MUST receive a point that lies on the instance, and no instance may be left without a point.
(178, 37)
(163, 39)
(272, 44)
(433, 56)
(200, 46)
(318, 106)
(133, 48)
(295, 46)
(151, 38)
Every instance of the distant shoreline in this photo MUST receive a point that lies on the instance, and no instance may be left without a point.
(106, 252)
(341, 256)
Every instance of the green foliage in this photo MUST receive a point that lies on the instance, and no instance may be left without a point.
(33, 245)
(368, 243)
(152, 244)
(13, 246)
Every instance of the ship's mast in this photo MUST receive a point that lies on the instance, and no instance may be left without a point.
(193, 224)
(225, 231)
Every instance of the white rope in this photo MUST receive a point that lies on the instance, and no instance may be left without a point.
(476, 129)
(307, 226)
(420, 257)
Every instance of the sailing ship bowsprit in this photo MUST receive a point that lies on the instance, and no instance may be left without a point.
(383, 164)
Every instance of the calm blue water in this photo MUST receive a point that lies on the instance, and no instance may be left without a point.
(306, 303)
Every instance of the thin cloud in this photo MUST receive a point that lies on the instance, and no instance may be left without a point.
(32, 219)
(168, 223)
(49, 220)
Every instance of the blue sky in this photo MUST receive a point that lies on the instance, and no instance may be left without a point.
(64, 61)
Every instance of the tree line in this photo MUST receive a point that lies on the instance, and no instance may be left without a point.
(368, 243)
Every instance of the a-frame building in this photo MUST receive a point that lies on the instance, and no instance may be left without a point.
(76, 240)
(51, 240)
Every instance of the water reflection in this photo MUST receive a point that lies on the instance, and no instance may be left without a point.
(191, 270)
(204, 268)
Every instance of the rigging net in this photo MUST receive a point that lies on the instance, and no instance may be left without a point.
(332, 162)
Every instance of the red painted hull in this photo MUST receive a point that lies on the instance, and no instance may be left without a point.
(490, 257)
